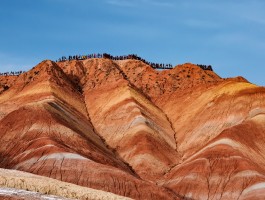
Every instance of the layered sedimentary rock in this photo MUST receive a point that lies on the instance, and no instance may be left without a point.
(220, 136)
(125, 128)
(46, 130)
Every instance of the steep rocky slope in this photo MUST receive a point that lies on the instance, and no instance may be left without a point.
(6, 82)
(46, 130)
(221, 140)
(125, 128)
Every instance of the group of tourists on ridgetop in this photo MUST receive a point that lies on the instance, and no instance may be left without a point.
(16, 73)
(205, 67)
(130, 56)
(79, 57)
(108, 56)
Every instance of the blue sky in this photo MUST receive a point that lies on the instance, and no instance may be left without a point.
(228, 34)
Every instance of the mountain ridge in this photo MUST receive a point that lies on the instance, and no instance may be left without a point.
(141, 130)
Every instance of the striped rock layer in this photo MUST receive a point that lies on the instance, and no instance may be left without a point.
(125, 128)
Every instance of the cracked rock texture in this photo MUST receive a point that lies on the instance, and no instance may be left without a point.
(125, 128)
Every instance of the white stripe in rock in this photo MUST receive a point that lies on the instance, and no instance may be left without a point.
(57, 156)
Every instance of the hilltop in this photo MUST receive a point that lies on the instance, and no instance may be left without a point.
(124, 127)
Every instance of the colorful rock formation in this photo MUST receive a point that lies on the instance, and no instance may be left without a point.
(125, 128)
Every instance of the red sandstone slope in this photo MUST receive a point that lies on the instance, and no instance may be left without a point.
(45, 130)
(221, 139)
(198, 104)
(6, 82)
(155, 83)
(110, 96)
(128, 128)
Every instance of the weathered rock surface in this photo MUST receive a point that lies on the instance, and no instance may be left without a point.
(220, 136)
(6, 82)
(28, 186)
(17, 194)
(125, 128)
(46, 130)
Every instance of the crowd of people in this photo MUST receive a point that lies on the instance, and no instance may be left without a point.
(12, 73)
(205, 67)
(108, 56)
(79, 57)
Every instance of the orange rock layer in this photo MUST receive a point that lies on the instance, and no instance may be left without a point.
(125, 128)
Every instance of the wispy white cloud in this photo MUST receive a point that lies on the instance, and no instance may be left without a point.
(233, 11)
(238, 39)
(134, 3)
(12, 63)
(122, 3)
(196, 23)
(159, 3)
(139, 31)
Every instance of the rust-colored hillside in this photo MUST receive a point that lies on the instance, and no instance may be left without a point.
(123, 127)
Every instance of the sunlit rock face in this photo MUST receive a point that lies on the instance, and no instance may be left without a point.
(126, 128)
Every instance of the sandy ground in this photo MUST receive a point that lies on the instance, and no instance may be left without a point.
(15, 183)
(12, 193)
